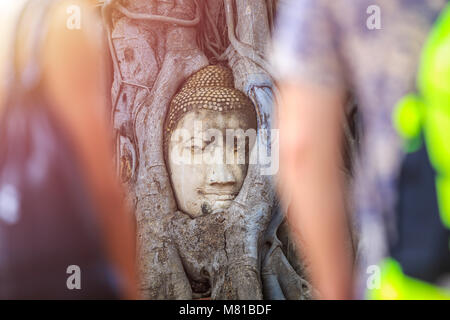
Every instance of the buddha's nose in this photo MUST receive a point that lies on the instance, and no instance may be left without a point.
(221, 174)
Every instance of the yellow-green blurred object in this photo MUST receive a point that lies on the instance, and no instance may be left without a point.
(395, 285)
(427, 113)
(425, 116)
(408, 121)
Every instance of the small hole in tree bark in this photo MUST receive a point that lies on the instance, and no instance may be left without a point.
(129, 54)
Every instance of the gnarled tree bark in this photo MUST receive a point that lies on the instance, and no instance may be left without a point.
(156, 45)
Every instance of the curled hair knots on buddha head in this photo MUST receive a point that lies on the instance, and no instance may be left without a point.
(211, 88)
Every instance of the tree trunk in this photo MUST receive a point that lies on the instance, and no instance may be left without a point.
(155, 45)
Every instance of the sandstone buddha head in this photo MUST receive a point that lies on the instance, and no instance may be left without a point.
(209, 131)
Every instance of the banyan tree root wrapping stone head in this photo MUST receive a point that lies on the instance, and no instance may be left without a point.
(206, 149)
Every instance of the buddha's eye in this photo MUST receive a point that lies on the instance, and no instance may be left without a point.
(196, 149)
(208, 142)
(194, 146)
(208, 145)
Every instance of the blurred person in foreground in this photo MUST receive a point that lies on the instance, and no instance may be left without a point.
(60, 203)
(323, 52)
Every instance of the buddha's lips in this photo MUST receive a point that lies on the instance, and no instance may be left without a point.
(219, 195)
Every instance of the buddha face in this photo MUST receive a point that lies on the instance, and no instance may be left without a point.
(212, 178)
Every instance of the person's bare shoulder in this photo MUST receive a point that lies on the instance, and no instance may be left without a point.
(9, 13)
